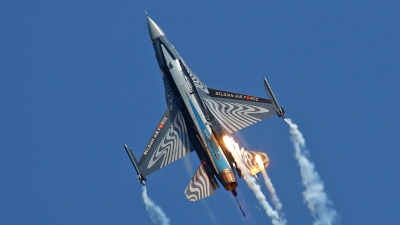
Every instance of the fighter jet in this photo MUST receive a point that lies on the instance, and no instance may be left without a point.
(196, 119)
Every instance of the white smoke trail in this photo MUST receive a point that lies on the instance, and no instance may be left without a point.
(157, 215)
(251, 182)
(314, 195)
(275, 200)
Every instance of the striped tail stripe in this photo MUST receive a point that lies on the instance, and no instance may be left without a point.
(199, 187)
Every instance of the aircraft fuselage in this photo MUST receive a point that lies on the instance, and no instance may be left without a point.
(205, 137)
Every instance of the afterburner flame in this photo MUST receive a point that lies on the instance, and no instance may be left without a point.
(234, 148)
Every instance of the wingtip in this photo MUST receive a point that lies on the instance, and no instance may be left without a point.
(145, 12)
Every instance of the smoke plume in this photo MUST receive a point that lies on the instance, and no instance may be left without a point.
(275, 200)
(233, 147)
(314, 196)
(274, 197)
(157, 215)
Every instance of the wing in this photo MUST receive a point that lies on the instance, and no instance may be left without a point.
(169, 143)
(236, 111)
(200, 186)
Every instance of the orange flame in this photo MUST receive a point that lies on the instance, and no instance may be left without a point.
(259, 162)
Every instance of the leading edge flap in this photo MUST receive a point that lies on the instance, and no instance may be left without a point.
(200, 186)
(236, 111)
(170, 142)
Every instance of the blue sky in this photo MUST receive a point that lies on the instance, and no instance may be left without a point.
(78, 79)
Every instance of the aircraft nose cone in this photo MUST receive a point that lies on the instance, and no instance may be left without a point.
(154, 30)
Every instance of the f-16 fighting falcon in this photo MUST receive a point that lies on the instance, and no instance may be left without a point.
(196, 119)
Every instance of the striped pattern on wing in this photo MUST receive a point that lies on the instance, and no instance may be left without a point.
(234, 116)
(199, 187)
(173, 146)
(249, 160)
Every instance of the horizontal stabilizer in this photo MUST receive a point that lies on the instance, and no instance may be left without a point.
(249, 160)
(200, 186)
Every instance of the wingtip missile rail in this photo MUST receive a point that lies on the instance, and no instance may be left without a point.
(141, 177)
(280, 111)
